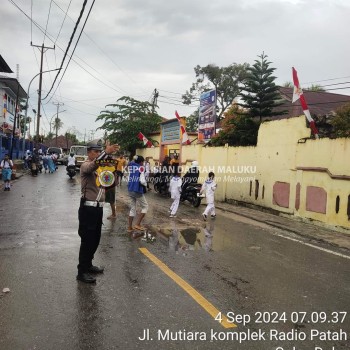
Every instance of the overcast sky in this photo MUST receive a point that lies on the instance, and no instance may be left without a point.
(131, 47)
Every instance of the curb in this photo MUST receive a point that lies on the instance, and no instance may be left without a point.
(289, 229)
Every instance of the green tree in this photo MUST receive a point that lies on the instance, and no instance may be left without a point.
(315, 88)
(57, 125)
(227, 82)
(288, 84)
(192, 121)
(341, 121)
(21, 123)
(237, 129)
(261, 95)
(128, 118)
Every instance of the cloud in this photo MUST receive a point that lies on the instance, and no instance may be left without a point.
(134, 46)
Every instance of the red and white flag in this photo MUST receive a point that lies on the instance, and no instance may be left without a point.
(144, 139)
(184, 134)
(298, 94)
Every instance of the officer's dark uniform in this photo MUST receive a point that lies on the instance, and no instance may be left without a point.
(90, 214)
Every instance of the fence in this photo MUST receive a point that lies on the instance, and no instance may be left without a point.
(17, 151)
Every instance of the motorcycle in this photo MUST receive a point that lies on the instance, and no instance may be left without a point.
(191, 193)
(71, 171)
(161, 183)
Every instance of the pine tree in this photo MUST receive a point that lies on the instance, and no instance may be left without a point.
(260, 94)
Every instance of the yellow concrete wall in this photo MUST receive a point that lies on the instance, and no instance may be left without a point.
(280, 150)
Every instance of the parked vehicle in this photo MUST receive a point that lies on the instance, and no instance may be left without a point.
(80, 153)
(191, 193)
(161, 183)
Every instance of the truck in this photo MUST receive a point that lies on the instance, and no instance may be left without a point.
(80, 153)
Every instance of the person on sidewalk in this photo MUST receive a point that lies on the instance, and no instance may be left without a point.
(175, 191)
(209, 188)
(110, 192)
(91, 208)
(136, 189)
(6, 165)
(147, 166)
(122, 163)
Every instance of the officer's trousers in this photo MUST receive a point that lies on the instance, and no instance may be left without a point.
(90, 223)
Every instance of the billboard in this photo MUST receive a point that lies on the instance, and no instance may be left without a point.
(207, 115)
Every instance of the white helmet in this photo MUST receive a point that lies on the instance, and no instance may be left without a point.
(194, 163)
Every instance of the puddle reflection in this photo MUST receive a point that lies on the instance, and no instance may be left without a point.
(182, 238)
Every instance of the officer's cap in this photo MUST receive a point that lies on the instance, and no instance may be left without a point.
(94, 145)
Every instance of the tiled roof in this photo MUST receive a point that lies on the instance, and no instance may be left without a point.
(61, 142)
(320, 103)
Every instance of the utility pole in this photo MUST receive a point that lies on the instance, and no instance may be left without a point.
(42, 47)
(155, 97)
(58, 104)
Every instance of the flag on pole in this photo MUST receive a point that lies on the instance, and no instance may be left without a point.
(144, 139)
(298, 94)
(184, 134)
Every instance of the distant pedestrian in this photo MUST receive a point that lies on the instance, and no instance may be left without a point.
(136, 190)
(45, 162)
(147, 167)
(110, 193)
(175, 191)
(175, 164)
(51, 164)
(120, 169)
(209, 188)
(6, 165)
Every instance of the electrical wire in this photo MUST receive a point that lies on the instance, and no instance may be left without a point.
(104, 53)
(64, 19)
(319, 81)
(77, 63)
(76, 44)
(69, 44)
(47, 21)
(177, 104)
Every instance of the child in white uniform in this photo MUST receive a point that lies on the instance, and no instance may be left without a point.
(209, 188)
(175, 191)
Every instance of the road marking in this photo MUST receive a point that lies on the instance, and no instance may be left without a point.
(206, 305)
(313, 246)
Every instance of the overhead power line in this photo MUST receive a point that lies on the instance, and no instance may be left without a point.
(47, 21)
(103, 52)
(76, 44)
(64, 19)
(69, 44)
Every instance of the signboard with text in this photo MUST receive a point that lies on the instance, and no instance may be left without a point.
(171, 132)
(207, 115)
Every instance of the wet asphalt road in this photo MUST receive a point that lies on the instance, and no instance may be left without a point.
(238, 265)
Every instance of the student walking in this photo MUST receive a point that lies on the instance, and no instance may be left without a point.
(6, 165)
(209, 188)
(175, 191)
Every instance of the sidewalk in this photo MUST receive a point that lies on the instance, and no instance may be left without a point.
(315, 232)
(336, 237)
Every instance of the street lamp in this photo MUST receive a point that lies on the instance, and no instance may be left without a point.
(25, 116)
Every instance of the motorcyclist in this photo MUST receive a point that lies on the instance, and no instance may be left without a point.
(191, 176)
(71, 162)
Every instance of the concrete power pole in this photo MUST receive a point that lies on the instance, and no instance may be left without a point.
(58, 104)
(42, 48)
(155, 97)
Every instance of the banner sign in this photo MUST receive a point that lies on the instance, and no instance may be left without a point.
(207, 115)
(171, 131)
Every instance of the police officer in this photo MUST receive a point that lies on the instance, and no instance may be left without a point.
(91, 209)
